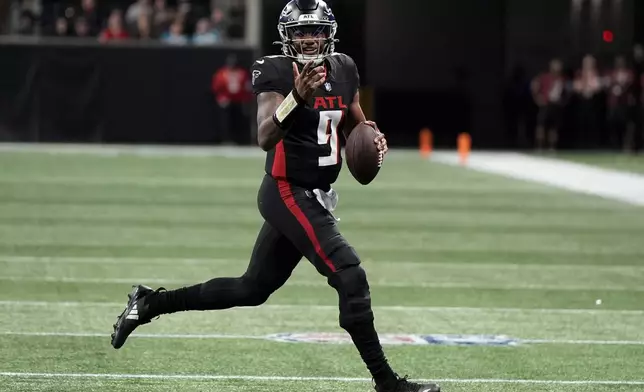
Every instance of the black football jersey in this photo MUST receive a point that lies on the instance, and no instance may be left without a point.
(309, 155)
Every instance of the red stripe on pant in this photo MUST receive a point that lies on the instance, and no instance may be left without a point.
(287, 196)
(279, 161)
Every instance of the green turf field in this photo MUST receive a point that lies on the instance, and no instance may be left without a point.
(625, 162)
(448, 251)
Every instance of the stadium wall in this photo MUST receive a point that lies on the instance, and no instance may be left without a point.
(111, 94)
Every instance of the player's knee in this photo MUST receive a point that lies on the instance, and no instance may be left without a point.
(252, 293)
(350, 281)
(355, 299)
(343, 256)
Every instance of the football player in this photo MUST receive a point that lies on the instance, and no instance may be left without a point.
(305, 96)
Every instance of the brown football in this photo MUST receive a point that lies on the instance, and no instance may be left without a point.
(362, 155)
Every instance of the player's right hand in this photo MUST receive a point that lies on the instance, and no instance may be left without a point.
(307, 81)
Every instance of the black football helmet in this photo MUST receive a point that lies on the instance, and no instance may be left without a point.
(302, 17)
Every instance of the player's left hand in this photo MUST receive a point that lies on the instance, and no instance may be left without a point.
(380, 140)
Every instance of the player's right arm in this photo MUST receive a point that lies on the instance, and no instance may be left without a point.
(276, 105)
(268, 132)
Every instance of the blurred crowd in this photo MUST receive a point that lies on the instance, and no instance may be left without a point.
(579, 105)
(178, 22)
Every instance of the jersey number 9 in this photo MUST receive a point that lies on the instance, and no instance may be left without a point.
(328, 136)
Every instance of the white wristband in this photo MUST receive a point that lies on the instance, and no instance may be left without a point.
(288, 105)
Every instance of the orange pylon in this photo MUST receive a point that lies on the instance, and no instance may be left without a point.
(464, 143)
(425, 142)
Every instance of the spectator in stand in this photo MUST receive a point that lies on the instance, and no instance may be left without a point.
(115, 30)
(61, 27)
(620, 97)
(90, 13)
(162, 17)
(217, 23)
(186, 14)
(175, 35)
(81, 27)
(143, 29)
(549, 90)
(191, 11)
(231, 85)
(204, 35)
(588, 85)
(184, 7)
(27, 23)
(134, 11)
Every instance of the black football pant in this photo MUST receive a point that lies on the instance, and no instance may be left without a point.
(296, 225)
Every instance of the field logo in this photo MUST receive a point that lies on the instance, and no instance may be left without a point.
(471, 340)
(398, 339)
(312, 337)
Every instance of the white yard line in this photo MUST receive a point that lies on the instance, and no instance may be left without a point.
(204, 377)
(384, 337)
(421, 247)
(588, 342)
(195, 182)
(113, 260)
(576, 177)
(136, 335)
(137, 150)
(162, 151)
(148, 261)
(409, 309)
(323, 283)
(134, 181)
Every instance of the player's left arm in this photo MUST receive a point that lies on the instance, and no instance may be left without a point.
(356, 116)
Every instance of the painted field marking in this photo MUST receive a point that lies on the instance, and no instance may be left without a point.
(303, 307)
(387, 339)
(323, 283)
(200, 377)
(147, 261)
(218, 246)
(211, 182)
(572, 176)
(136, 150)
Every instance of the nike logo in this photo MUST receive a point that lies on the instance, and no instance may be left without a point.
(260, 61)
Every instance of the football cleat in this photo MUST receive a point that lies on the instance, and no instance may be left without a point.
(402, 385)
(133, 315)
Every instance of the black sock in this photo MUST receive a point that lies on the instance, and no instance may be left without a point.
(219, 293)
(366, 340)
(166, 302)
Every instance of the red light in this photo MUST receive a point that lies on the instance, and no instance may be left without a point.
(608, 36)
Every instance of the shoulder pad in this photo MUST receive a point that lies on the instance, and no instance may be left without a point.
(348, 68)
(274, 60)
(272, 73)
(343, 59)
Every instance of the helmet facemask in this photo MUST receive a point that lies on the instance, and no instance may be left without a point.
(305, 42)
